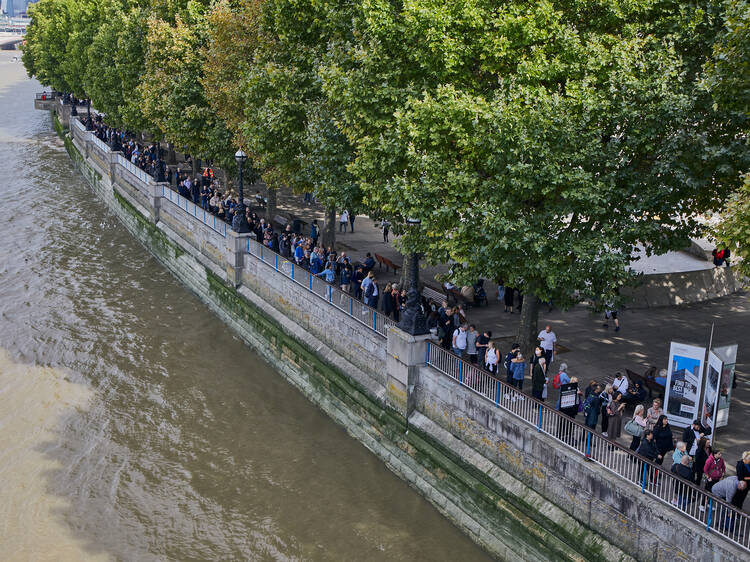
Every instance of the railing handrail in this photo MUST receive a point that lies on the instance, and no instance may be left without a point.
(380, 322)
(197, 212)
(436, 354)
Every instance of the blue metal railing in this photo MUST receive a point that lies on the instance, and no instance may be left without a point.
(716, 515)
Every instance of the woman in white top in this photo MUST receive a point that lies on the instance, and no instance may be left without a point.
(638, 418)
(491, 358)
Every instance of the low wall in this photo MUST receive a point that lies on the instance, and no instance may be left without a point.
(516, 493)
(554, 475)
(669, 289)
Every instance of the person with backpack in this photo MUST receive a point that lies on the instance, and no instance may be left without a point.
(560, 379)
(508, 362)
(591, 406)
(314, 232)
(491, 358)
(721, 257)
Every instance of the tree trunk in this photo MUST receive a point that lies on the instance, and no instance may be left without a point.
(329, 231)
(528, 328)
(271, 205)
(196, 166)
(171, 155)
(403, 281)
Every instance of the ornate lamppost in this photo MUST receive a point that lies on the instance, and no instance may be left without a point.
(89, 124)
(160, 175)
(239, 222)
(413, 320)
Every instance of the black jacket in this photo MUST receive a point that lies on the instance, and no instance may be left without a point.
(648, 449)
(682, 471)
(663, 439)
(537, 378)
(688, 436)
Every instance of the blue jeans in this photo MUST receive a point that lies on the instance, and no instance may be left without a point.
(459, 352)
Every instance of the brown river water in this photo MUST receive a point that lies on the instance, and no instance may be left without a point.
(134, 425)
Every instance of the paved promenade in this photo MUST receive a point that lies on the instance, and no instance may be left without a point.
(591, 351)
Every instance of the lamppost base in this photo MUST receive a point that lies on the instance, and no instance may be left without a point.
(240, 224)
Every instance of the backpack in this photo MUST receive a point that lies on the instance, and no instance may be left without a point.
(556, 381)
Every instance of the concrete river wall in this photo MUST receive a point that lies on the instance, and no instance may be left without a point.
(513, 488)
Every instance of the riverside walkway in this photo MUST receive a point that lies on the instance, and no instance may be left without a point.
(432, 385)
(591, 351)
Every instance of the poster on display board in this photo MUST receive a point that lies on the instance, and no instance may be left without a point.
(684, 382)
(728, 355)
(711, 393)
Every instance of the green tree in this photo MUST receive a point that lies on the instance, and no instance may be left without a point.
(728, 80)
(540, 143)
(46, 42)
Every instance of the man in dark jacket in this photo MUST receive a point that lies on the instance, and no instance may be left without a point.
(538, 378)
(693, 434)
(648, 447)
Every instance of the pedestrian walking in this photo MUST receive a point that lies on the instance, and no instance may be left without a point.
(344, 221)
(386, 227)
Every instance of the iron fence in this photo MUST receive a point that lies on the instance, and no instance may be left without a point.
(354, 308)
(185, 204)
(716, 515)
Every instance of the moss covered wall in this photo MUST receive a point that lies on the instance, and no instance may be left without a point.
(482, 502)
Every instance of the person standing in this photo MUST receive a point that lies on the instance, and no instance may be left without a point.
(509, 362)
(605, 398)
(640, 420)
(459, 340)
(743, 475)
(701, 456)
(714, 469)
(352, 216)
(508, 297)
(538, 379)
(518, 370)
(344, 221)
(548, 342)
(653, 414)
(614, 411)
(314, 232)
(386, 226)
(693, 434)
(482, 344)
(491, 358)
(471, 344)
(592, 406)
(663, 437)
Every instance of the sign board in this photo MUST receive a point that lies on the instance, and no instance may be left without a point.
(728, 355)
(684, 382)
(568, 395)
(711, 393)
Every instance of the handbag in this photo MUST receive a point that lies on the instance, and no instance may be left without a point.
(634, 429)
(544, 392)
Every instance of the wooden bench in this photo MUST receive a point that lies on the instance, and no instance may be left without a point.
(383, 261)
(281, 221)
(433, 295)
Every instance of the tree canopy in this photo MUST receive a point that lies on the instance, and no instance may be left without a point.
(540, 143)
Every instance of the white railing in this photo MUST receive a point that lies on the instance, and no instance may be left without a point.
(211, 221)
(133, 169)
(714, 514)
(76, 124)
(354, 308)
(100, 144)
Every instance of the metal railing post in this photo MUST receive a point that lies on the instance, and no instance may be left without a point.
(276, 260)
(539, 423)
(351, 306)
(460, 371)
(427, 353)
(374, 320)
(710, 513)
(261, 252)
(309, 278)
(643, 482)
(588, 444)
(497, 393)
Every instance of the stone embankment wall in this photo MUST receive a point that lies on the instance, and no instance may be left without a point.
(516, 492)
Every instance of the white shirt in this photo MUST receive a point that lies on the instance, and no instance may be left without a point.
(344, 217)
(460, 336)
(620, 385)
(548, 340)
